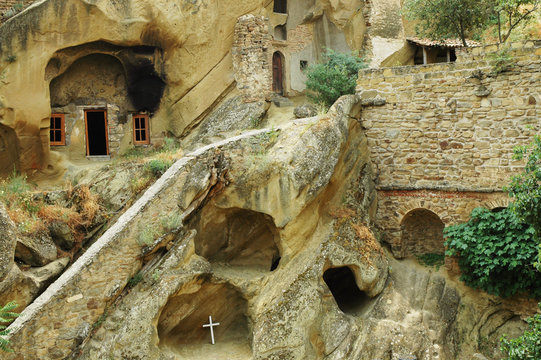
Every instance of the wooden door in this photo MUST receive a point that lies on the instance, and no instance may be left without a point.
(277, 73)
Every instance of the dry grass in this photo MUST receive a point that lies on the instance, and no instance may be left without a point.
(32, 215)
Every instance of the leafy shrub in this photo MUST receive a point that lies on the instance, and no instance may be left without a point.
(158, 167)
(335, 77)
(501, 61)
(134, 280)
(527, 346)
(6, 316)
(432, 260)
(495, 252)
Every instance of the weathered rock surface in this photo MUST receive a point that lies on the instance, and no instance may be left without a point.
(24, 286)
(8, 241)
(233, 114)
(36, 250)
(304, 111)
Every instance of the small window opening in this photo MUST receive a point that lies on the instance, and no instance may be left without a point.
(280, 6)
(452, 55)
(280, 32)
(344, 289)
(57, 131)
(304, 64)
(141, 130)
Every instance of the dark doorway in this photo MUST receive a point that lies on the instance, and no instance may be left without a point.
(344, 289)
(96, 133)
(280, 6)
(277, 73)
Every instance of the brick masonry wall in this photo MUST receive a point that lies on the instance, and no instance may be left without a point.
(252, 58)
(444, 138)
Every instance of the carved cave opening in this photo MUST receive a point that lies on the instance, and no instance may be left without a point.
(180, 325)
(422, 233)
(90, 80)
(9, 151)
(237, 237)
(349, 298)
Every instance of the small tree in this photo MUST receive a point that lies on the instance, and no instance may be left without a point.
(444, 19)
(510, 13)
(6, 316)
(335, 77)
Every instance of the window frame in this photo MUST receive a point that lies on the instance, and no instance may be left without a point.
(146, 129)
(62, 129)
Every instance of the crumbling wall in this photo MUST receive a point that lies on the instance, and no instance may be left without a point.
(252, 58)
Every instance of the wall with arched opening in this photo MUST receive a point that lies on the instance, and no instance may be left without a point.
(422, 233)
(278, 73)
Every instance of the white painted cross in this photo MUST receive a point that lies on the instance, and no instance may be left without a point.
(210, 325)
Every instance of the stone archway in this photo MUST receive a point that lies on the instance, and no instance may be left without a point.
(421, 233)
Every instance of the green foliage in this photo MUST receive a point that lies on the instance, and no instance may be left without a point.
(147, 235)
(501, 61)
(510, 13)
(527, 346)
(432, 260)
(170, 144)
(495, 253)
(444, 19)
(158, 167)
(172, 222)
(134, 280)
(335, 77)
(6, 316)
(525, 188)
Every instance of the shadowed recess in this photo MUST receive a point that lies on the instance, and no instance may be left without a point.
(237, 237)
(422, 233)
(180, 325)
(344, 289)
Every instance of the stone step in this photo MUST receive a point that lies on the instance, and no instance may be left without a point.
(281, 101)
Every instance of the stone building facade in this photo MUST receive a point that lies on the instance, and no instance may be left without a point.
(443, 139)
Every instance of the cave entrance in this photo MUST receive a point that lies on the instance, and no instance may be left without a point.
(97, 143)
(349, 298)
(180, 325)
(237, 237)
(422, 233)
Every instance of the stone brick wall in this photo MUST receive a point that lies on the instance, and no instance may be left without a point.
(443, 139)
(444, 128)
(252, 58)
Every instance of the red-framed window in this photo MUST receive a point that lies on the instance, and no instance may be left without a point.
(141, 133)
(57, 130)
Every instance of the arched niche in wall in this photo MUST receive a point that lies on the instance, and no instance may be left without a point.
(9, 151)
(237, 237)
(422, 233)
(280, 6)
